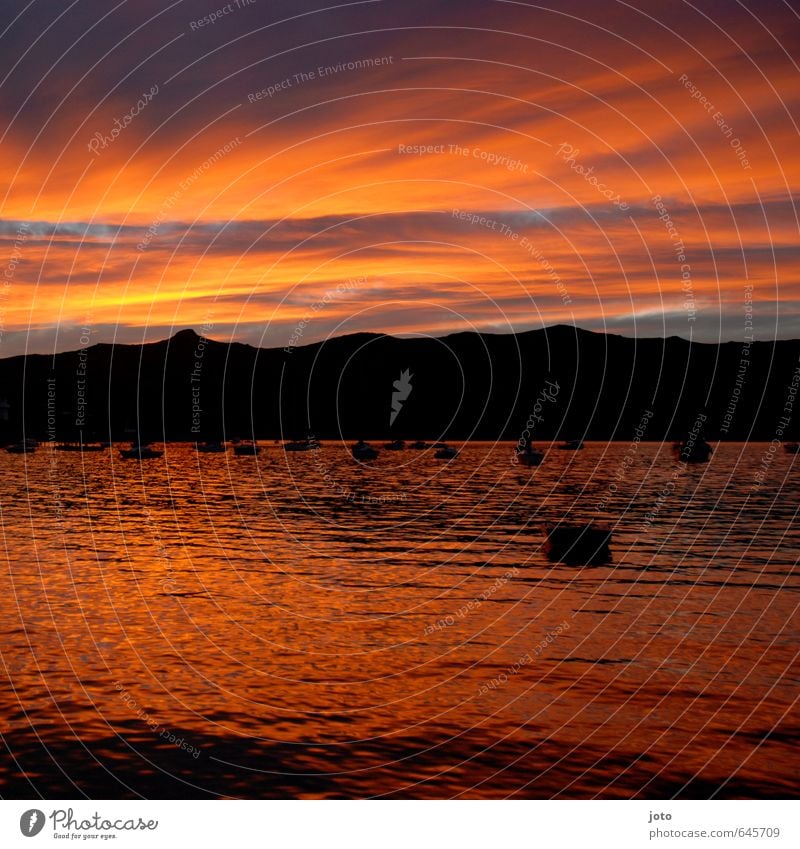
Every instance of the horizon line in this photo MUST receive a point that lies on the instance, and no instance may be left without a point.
(402, 337)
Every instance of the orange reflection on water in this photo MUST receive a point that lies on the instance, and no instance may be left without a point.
(414, 643)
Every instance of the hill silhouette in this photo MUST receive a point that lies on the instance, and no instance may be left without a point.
(466, 385)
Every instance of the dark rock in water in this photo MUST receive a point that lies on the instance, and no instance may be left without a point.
(583, 544)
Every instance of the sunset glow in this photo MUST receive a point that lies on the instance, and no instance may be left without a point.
(475, 167)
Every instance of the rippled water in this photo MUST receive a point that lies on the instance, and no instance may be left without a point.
(305, 625)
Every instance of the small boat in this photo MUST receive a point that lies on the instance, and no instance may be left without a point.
(397, 445)
(213, 447)
(245, 449)
(143, 451)
(571, 445)
(791, 447)
(309, 444)
(446, 453)
(577, 544)
(698, 451)
(530, 456)
(363, 451)
(419, 445)
(27, 446)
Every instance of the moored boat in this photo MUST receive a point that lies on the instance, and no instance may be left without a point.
(80, 446)
(245, 449)
(213, 447)
(571, 445)
(446, 452)
(698, 451)
(530, 457)
(397, 445)
(419, 445)
(364, 451)
(140, 451)
(791, 447)
(27, 446)
(309, 444)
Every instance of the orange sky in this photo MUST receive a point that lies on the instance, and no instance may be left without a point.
(249, 188)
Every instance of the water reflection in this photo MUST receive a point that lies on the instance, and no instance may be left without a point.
(314, 626)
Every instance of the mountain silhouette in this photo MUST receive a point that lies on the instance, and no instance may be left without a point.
(466, 385)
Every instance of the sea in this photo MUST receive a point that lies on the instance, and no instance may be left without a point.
(305, 625)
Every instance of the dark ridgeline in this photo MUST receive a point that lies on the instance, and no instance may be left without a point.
(466, 385)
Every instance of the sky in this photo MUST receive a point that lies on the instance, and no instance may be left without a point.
(281, 172)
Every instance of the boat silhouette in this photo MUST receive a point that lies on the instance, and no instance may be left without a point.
(245, 449)
(27, 446)
(446, 452)
(140, 451)
(698, 451)
(530, 456)
(363, 451)
(212, 447)
(308, 444)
